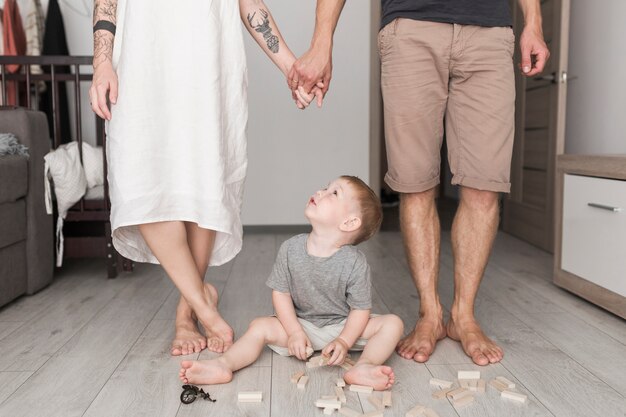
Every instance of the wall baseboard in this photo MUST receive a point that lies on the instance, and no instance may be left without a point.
(292, 229)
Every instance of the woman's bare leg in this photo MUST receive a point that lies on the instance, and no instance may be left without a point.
(168, 242)
(188, 338)
(247, 349)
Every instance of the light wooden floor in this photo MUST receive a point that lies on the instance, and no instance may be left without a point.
(88, 346)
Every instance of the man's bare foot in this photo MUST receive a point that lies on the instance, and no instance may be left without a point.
(476, 345)
(420, 343)
(205, 372)
(379, 377)
(188, 338)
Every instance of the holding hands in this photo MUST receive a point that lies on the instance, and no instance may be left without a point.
(309, 77)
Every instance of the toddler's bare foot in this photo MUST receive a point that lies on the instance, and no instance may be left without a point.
(420, 343)
(476, 345)
(188, 338)
(379, 377)
(205, 372)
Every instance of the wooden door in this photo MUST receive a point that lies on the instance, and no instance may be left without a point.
(539, 132)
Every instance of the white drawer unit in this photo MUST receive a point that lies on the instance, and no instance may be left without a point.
(594, 231)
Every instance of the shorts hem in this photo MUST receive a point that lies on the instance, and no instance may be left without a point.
(481, 184)
(411, 188)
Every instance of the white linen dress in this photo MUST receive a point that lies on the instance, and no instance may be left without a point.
(176, 143)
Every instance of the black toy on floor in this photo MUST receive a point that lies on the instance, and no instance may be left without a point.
(190, 392)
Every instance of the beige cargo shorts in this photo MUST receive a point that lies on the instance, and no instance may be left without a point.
(461, 74)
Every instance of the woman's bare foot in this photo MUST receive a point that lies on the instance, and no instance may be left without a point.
(476, 345)
(379, 377)
(420, 343)
(205, 372)
(188, 338)
(219, 334)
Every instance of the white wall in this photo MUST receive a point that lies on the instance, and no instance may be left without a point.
(596, 98)
(292, 152)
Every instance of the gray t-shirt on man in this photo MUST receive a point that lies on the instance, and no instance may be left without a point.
(323, 290)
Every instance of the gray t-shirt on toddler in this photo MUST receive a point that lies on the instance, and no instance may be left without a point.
(323, 290)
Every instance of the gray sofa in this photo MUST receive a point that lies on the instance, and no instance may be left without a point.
(26, 231)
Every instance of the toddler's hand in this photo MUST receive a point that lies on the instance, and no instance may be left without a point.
(297, 344)
(339, 349)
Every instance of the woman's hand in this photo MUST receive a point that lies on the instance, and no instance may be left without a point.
(339, 349)
(303, 99)
(297, 345)
(104, 81)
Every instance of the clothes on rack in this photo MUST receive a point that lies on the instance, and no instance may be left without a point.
(14, 42)
(34, 25)
(55, 43)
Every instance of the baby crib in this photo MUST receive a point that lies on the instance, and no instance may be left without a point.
(87, 226)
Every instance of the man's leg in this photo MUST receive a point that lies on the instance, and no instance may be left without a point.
(421, 233)
(473, 232)
(262, 331)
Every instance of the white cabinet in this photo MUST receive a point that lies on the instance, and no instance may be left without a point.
(590, 229)
(594, 231)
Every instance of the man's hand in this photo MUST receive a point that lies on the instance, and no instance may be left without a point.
(534, 50)
(337, 351)
(314, 67)
(297, 344)
(104, 81)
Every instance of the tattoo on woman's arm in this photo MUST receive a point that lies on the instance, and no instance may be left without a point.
(264, 28)
(103, 40)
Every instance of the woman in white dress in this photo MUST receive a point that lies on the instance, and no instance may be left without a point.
(174, 75)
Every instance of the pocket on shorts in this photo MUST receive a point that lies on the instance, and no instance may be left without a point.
(509, 40)
(386, 36)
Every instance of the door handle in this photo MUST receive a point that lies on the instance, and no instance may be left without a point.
(605, 207)
(553, 78)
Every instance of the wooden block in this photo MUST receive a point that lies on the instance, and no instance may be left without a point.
(321, 403)
(481, 386)
(341, 382)
(346, 366)
(348, 412)
(349, 360)
(468, 375)
(361, 388)
(458, 393)
(464, 383)
(250, 397)
(375, 413)
(472, 385)
(328, 411)
(315, 361)
(441, 383)
(429, 412)
(515, 396)
(340, 395)
(497, 385)
(440, 395)
(463, 401)
(302, 382)
(506, 382)
(376, 402)
(415, 411)
(386, 398)
(309, 351)
(329, 397)
(296, 377)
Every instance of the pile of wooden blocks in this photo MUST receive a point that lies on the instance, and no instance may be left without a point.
(507, 389)
(332, 403)
(463, 395)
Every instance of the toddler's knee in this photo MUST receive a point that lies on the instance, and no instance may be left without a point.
(260, 325)
(394, 322)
